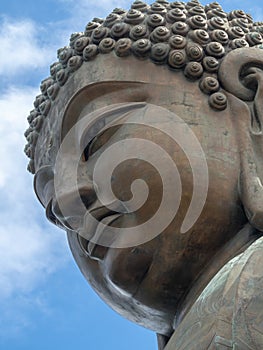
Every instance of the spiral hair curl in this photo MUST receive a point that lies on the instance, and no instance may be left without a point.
(184, 36)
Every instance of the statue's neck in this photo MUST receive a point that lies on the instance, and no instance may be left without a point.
(237, 245)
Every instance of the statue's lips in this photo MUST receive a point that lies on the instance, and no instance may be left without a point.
(85, 215)
(96, 229)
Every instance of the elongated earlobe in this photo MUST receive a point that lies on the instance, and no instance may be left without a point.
(241, 74)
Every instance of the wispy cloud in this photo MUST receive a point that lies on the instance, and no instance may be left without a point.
(31, 249)
(83, 11)
(21, 47)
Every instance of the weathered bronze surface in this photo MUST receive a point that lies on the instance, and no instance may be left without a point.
(146, 145)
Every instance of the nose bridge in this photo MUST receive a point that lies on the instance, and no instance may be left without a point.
(75, 192)
(65, 178)
(84, 175)
(71, 174)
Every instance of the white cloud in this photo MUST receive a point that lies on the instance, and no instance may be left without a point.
(15, 105)
(21, 48)
(83, 11)
(31, 249)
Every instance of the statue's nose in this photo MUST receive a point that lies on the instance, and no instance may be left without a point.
(74, 196)
(70, 208)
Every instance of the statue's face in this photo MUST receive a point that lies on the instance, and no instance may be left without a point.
(147, 281)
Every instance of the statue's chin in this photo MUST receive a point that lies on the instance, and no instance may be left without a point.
(116, 293)
(147, 284)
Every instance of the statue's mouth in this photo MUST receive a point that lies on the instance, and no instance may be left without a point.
(84, 214)
(91, 227)
(97, 242)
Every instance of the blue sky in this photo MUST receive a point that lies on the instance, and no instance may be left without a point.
(45, 303)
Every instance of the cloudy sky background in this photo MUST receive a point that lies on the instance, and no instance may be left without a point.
(45, 302)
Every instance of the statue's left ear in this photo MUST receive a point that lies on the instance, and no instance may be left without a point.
(241, 74)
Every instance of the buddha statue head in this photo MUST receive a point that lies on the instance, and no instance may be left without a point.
(145, 145)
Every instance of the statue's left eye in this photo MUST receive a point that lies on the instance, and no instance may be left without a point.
(98, 141)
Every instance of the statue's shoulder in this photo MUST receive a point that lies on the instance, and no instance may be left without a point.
(229, 312)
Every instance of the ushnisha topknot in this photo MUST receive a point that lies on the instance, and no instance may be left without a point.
(183, 36)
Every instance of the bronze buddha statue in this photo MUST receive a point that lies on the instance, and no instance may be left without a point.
(146, 146)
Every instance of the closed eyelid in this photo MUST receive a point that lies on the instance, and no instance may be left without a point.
(95, 123)
(104, 136)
